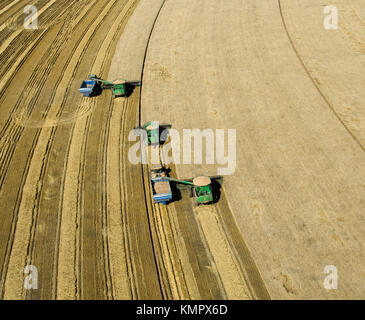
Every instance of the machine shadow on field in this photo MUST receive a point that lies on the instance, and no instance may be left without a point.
(176, 193)
(129, 89)
(216, 190)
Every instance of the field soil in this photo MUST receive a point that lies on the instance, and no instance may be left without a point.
(294, 93)
(74, 205)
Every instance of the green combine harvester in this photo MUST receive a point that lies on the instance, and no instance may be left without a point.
(120, 87)
(153, 129)
(200, 186)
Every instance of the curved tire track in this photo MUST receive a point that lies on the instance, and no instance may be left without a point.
(330, 106)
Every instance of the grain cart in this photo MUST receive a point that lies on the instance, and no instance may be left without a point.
(200, 186)
(120, 87)
(90, 88)
(161, 189)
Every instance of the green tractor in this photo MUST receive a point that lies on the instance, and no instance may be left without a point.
(153, 130)
(200, 186)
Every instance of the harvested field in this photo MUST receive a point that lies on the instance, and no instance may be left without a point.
(294, 93)
(73, 205)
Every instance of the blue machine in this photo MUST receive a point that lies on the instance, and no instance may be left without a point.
(161, 189)
(89, 88)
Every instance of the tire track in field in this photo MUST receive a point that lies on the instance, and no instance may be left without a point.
(228, 268)
(170, 280)
(69, 236)
(220, 268)
(9, 242)
(10, 22)
(239, 252)
(44, 137)
(10, 38)
(142, 272)
(53, 13)
(8, 6)
(228, 259)
(104, 151)
(31, 92)
(8, 10)
(308, 73)
(63, 290)
(123, 195)
(170, 285)
(9, 155)
(171, 253)
(103, 232)
(17, 203)
(169, 272)
(179, 246)
(15, 55)
(119, 251)
(191, 277)
(64, 32)
(5, 79)
(157, 253)
(80, 196)
(15, 212)
(103, 148)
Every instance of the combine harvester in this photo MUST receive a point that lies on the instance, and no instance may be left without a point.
(153, 129)
(200, 188)
(120, 87)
